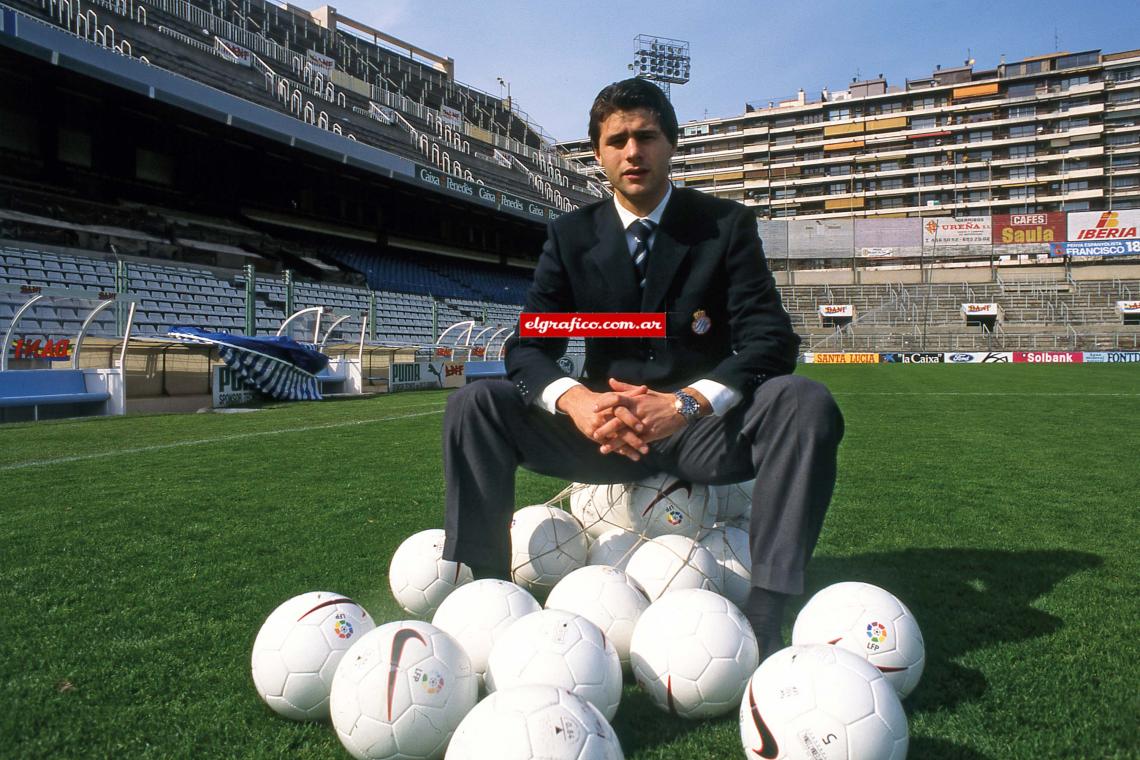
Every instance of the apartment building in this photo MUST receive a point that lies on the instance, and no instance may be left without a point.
(1056, 132)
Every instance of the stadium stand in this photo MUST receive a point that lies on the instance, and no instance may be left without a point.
(278, 70)
(1041, 314)
(175, 295)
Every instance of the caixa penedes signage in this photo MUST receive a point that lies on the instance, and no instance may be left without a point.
(922, 358)
(482, 194)
(913, 357)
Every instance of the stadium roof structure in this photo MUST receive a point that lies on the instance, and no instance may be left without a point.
(31, 37)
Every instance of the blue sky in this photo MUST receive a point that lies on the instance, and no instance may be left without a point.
(557, 55)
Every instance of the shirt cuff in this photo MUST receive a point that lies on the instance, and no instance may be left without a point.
(548, 400)
(721, 397)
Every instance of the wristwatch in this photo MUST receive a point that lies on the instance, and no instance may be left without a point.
(687, 406)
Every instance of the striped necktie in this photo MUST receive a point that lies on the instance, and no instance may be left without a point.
(641, 229)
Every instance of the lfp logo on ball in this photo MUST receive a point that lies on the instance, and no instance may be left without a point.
(432, 682)
(674, 517)
(343, 629)
(876, 635)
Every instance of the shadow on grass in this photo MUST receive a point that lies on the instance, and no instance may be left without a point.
(640, 725)
(965, 600)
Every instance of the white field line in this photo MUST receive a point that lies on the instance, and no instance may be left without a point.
(203, 441)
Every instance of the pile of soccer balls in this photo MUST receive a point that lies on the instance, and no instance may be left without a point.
(642, 579)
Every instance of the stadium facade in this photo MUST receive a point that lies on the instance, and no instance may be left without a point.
(1052, 133)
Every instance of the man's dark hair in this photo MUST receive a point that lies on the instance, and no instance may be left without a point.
(627, 95)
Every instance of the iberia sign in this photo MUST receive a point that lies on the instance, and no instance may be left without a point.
(1104, 225)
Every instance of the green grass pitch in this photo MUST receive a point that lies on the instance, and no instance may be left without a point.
(139, 556)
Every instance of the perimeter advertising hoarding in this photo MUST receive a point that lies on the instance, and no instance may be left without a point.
(852, 358)
(882, 238)
(820, 239)
(1101, 233)
(420, 376)
(911, 357)
(938, 231)
(1112, 357)
(977, 357)
(1049, 357)
(1017, 229)
(774, 235)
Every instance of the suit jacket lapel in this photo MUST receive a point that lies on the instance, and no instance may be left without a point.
(666, 255)
(610, 255)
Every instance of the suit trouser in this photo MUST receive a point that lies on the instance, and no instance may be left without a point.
(786, 437)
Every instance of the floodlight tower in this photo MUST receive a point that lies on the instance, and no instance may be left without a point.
(661, 60)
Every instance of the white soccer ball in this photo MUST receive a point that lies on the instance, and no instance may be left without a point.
(729, 547)
(669, 563)
(478, 613)
(419, 576)
(605, 596)
(401, 691)
(733, 501)
(298, 648)
(546, 545)
(558, 648)
(614, 548)
(809, 702)
(663, 505)
(534, 722)
(870, 622)
(599, 507)
(692, 652)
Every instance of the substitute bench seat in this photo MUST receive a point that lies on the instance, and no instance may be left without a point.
(485, 370)
(46, 387)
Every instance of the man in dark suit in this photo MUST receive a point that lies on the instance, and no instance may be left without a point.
(712, 402)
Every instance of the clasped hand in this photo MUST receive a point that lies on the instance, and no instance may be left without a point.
(624, 420)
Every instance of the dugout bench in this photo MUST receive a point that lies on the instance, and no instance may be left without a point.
(67, 392)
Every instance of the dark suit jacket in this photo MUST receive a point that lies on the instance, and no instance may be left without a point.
(706, 256)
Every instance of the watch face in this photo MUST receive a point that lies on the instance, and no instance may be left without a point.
(687, 406)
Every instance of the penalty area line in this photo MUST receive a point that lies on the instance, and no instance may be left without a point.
(203, 441)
